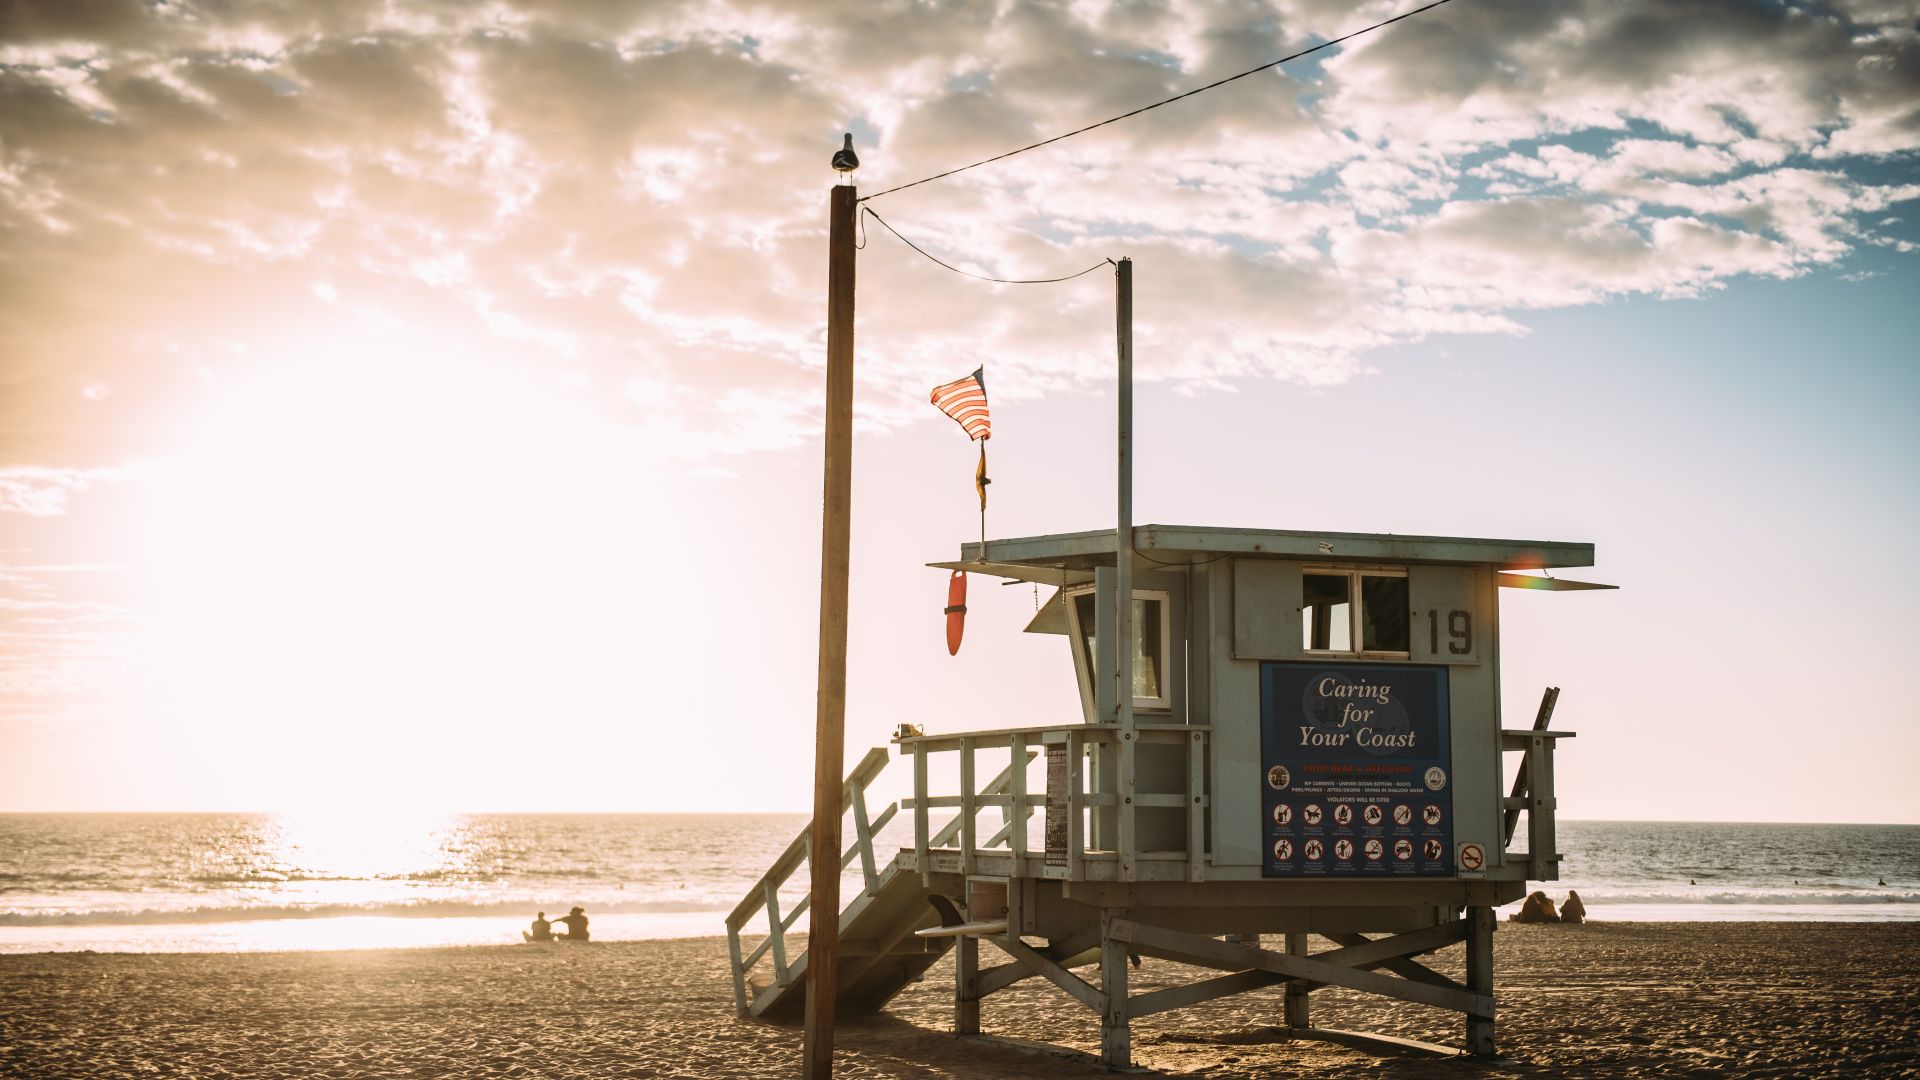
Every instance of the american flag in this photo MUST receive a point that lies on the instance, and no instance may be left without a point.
(966, 401)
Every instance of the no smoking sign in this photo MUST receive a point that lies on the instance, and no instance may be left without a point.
(1472, 859)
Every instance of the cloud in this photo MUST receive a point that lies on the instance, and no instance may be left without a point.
(627, 194)
(40, 491)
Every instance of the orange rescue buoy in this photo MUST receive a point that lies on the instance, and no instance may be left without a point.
(956, 610)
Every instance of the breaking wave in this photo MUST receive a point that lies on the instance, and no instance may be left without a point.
(421, 909)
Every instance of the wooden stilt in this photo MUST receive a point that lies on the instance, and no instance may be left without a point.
(966, 986)
(1116, 1040)
(1480, 926)
(829, 744)
(1297, 990)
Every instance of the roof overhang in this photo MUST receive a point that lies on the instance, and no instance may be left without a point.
(1077, 554)
(1547, 584)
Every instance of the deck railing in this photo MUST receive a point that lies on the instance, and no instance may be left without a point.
(1009, 792)
(960, 837)
(1533, 795)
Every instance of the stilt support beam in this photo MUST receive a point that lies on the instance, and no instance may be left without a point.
(1297, 990)
(966, 986)
(1116, 1038)
(1480, 981)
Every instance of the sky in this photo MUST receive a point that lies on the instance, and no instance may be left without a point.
(418, 404)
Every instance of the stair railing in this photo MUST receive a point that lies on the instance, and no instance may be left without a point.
(764, 896)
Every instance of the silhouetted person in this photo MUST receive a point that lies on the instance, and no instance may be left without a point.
(576, 924)
(1573, 911)
(542, 929)
(1537, 908)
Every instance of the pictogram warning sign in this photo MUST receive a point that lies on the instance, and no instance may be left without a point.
(1473, 858)
(1352, 753)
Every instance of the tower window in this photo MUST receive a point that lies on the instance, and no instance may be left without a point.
(1341, 607)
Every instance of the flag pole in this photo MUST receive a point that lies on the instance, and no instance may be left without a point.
(983, 500)
(1123, 566)
(829, 747)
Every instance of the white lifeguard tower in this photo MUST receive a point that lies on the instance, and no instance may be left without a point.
(1311, 745)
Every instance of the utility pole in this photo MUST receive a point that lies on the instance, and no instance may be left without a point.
(1123, 571)
(829, 745)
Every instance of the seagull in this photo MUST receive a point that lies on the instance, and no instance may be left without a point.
(844, 159)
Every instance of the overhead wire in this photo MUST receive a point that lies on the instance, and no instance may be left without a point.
(867, 210)
(1155, 105)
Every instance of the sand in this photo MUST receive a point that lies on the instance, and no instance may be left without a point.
(1621, 999)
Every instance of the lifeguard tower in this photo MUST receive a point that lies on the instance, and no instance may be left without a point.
(1310, 745)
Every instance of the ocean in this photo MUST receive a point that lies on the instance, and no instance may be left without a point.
(242, 882)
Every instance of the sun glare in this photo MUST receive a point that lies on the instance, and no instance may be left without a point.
(362, 842)
(373, 561)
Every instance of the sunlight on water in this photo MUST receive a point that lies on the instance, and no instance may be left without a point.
(350, 845)
(369, 878)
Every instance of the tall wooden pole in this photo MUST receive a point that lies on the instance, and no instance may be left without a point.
(829, 744)
(1123, 571)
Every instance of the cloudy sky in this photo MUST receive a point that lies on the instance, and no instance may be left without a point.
(425, 397)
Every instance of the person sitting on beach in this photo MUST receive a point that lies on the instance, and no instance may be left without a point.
(576, 923)
(542, 929)
(1573, 911)
(1538, 908)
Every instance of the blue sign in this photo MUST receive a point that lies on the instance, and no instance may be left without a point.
(1358, 763)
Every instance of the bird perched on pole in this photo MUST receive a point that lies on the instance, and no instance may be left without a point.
(844, 159)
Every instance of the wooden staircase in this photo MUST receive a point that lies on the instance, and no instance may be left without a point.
(879, 952)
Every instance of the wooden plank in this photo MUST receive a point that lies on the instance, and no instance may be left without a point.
(1219, 953)
(1082, 991)
(790, 858)
(1068, 952)
(989, 738)
(977, 928)
(1116, 1036)
(1077, 948)
(1209, 540)
(1366, 1040)
(1543, 857)
(739, 972)
(1541, 718)
(779, 935)
(846, 860)
(966, 988)
(759, 951)
(1480, 981)
(1370, 952)
(1197, 807)
(863, 836)
(1194, 993)
(920, 838)
(1017, 787)
(1401, 966)
(996, 787)
(967, 809)
(1001, 976)
(1298, 1004)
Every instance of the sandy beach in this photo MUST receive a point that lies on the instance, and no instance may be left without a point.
(1625, 999)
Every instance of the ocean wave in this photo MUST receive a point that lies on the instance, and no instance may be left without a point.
(1599, 896)
(419, 909)
(63, 881)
